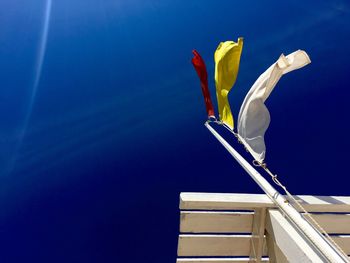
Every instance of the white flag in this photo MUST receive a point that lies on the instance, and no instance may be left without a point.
(254, 118)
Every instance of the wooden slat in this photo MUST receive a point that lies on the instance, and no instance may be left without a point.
(223, 201)
(216, 260)
(213, 201)
(344, 242)
(213, 245)
(336, 204)
(334, 223)
(216, 222)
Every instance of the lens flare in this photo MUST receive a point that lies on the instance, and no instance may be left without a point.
(36, 81)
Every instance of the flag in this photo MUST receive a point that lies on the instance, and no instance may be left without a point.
(254, 117)
(227, 57)
(199, 66)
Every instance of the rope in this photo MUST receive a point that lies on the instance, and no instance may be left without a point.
(306, 213)
(227, 128)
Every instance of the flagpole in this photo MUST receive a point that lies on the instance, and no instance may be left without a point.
(328, 251)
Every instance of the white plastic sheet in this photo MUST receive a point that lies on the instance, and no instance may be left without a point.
(254, 117)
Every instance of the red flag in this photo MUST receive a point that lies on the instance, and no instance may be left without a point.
(199, 66)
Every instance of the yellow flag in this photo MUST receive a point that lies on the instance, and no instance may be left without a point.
(227, 57)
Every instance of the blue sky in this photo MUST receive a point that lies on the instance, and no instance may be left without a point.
(102, 118)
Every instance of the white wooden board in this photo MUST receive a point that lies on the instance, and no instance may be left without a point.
(344, 242)
(223, 201)
(216, 260)
(334, 223)
(216, 222)
(214, 245)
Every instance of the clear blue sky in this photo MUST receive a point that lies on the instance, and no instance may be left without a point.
(101, 117)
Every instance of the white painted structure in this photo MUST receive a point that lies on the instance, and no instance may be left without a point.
(327, 251)
(232, 228)
(259, 228)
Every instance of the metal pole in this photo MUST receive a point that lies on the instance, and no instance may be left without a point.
(325, 249)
